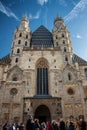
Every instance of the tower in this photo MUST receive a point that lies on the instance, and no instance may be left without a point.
(21, 39)
(41, 79)
(61, 39)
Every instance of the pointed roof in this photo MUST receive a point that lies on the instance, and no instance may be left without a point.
(24, 18)
(79, 60)
(5, 60)
(58, 18)
(42, 37)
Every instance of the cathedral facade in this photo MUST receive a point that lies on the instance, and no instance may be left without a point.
(41, 75)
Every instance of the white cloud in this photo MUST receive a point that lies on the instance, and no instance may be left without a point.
(63, 2)
(76, 10)
(78, 36)
(7, 11)
(42, 2)
(35, 16)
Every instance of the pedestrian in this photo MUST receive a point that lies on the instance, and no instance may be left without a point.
(49, 126)
(71, 126)
(82, 124)
(29, 123)
(62, 125)
(36, 124)
(76, 124)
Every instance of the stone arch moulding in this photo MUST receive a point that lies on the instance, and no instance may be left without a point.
(42, 112)
(42, 62)
(42, 77)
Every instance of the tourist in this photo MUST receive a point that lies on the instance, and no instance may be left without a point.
(76, 124)
(49, 126)
(71, 126)
(5, 125)
(36, 124)
(62, 125)
(43, 126)
(82, 124)
(55, 125)
(29, 123)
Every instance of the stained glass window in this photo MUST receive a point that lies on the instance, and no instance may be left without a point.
(42, 78)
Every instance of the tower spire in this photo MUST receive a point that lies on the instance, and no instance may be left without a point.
(25, 15)
(24, 21)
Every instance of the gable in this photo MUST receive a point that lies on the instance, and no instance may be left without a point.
(69, 73)
(14, 72)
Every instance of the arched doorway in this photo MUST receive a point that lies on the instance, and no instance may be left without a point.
(42, 113)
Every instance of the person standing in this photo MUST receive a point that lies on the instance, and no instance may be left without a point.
(49, 126)
(71, 126)
(62, 125)
(82, 124)
(30, 123)
(36, 124)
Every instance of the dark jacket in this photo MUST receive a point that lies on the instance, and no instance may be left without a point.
(62, 125)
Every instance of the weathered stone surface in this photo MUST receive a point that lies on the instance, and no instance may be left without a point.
(67, 82)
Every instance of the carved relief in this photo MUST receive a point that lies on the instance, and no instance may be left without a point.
(42, 63)
(6, 116)
(14, 72)
(57, 77)
(28, 78)
(59, 108)
(69, 74)
(5, 105)
(16, 105)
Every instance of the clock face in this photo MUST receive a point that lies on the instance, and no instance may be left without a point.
(13, 91)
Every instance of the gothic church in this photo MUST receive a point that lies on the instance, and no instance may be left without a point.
(41, 75)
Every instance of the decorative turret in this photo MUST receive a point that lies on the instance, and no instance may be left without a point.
(61, 39)
(21, 39)
(24, 22)
(58, 21)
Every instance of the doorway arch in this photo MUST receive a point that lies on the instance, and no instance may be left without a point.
(42, 113)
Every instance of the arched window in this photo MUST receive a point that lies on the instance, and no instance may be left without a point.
(16, 60)
(12, 51)
(14, 78)
(56, 43)
(85, 72)
(20, 35)
(42, 77)
(63, 41)
(66, 58)
(18, 50)
(25, 43)
(26, 36)
(56, 37)
(62, 35)
(69, 76)
(19, 42)
(64, 49)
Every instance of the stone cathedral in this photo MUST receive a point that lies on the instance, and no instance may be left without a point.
(41, 75)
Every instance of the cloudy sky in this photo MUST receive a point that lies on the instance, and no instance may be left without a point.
(43, 12)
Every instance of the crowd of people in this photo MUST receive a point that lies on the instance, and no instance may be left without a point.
(34, 124)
